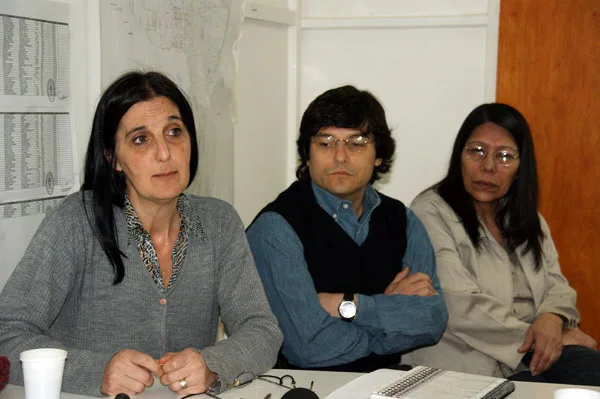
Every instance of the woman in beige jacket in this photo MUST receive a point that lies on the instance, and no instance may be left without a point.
(512, 312)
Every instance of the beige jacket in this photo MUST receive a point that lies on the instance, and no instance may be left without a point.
(483, 335)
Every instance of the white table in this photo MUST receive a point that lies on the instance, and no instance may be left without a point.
(324, 384)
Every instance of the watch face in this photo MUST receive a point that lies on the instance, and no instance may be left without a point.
(347, 309)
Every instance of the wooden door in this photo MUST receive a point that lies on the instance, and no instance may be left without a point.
(549, 69)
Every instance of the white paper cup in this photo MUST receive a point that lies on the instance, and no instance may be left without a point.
(576, 393)
(43, 372)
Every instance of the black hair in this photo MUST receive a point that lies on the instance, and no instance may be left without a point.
(517, 218)
(346, 107)
(107, 185)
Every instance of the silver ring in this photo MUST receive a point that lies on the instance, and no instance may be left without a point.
(183, 383)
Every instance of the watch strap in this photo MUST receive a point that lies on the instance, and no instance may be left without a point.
(216, 387)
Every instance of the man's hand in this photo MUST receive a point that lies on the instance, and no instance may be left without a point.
(129, 372)
(331, 302)
(189, 366)
(545, 337)
(574, 336)
(402, 284)
(415, 284)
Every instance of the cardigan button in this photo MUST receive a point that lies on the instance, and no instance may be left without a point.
(163, 301)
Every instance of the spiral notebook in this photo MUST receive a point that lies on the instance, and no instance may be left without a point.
(429, 383)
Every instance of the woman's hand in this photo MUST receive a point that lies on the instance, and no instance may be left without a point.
(186, 372)
(129, 372)
(545, 337)
(574, 336)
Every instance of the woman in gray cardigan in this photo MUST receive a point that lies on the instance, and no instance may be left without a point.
(130, 275)
(510, 308)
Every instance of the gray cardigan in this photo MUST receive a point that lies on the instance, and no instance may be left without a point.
(61, 295)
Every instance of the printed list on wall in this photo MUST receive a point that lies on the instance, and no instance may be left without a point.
(36, 151)
(37, 168)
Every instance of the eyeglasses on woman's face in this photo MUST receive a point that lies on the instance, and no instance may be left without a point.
(502, 157)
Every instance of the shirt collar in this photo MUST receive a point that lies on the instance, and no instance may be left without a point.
(333, 204)
(190, 222)
(189, 217)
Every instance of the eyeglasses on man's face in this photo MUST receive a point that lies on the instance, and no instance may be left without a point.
(504, 157)
(328, 143)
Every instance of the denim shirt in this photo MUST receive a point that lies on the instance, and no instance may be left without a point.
(343, 213)
(384, 324)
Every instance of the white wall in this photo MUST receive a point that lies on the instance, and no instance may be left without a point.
(260, 137)
(428, 72)
(85, 71)
(429, 62)
(390, 8)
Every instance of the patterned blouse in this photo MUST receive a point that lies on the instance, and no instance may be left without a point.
(141, 237)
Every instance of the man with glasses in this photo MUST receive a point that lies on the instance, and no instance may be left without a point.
(349, 272)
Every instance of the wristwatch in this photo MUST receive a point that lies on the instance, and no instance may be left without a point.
(217, 386)
(347, 308)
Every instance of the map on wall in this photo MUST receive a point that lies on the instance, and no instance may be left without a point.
(194, 43)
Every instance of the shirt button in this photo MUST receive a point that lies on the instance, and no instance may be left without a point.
(334, 215)
(345, 206)
(163, 301)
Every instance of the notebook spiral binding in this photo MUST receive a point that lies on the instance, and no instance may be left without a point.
(410, 383)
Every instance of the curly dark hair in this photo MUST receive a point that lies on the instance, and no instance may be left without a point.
(350, 108)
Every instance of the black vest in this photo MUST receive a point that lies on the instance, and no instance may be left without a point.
(336, 263)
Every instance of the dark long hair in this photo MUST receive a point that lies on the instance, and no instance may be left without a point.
(346, 107)
(517, 218)
(106, 184)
